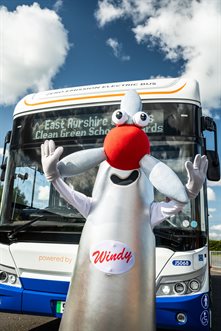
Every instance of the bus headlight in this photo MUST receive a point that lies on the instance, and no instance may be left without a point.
(3, 276)
(194, 285)
(181, 284)
(12, 279)
(180, 288)
(8, 276)
(166, 289)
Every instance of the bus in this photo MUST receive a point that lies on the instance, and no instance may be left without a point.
(40, 232)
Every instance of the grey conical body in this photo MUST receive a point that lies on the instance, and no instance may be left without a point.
(99, 301)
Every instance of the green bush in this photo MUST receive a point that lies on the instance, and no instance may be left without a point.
(215, 245)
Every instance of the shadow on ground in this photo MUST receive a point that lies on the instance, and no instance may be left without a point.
(52, 326)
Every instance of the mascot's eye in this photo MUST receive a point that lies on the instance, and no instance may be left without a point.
(119, 117)
(141, 119)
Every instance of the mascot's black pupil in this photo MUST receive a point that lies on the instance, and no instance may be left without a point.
(143, 117)
(119, 115)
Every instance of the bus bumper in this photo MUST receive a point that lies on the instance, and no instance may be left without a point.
(41, 303)
(33, 301)
(185, 313)
(40, 296)
(194, 307)
(10, 298)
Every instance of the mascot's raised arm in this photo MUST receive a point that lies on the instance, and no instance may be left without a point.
(113, 283)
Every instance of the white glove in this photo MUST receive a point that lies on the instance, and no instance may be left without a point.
(49, 159)
(196, 173)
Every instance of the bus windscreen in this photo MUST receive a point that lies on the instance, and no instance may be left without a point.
(165, 119)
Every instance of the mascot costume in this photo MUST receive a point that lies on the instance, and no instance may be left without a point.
(113, 283)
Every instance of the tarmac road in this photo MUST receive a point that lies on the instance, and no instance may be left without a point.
(216, 298)
(14, 322)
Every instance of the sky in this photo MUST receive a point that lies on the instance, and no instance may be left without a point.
(54, 44)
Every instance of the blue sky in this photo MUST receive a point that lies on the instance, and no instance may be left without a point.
(54, 44)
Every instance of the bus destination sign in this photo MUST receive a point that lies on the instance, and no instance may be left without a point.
(73, 126)
(84, 125)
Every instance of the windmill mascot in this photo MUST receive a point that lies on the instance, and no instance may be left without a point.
(113, 283)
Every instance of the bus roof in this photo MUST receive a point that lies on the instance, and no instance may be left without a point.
(167, 89)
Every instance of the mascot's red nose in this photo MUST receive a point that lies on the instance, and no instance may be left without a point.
(125, 146)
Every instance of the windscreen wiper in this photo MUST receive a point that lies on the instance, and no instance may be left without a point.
(12, 234)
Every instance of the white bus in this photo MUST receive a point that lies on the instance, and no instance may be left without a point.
(40, 232)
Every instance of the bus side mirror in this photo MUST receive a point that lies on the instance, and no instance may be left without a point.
(213, 172)
(3, 169)
(4, 159)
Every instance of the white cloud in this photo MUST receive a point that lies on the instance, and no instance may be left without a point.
(1, 152)
(184, 29)
(210, 113)
(34, 45)
(117, 49)
(110, 10)
(107, 12)
(216, 227)
(211, 194)
(212, 210)
(215, 232)
(43, 192)
(210, 183)
(57, 6)
(215, 235)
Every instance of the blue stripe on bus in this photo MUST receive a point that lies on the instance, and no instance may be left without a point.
(10, 298)
(195, 307)
(41, 303)
(44, 285)
(40, 297)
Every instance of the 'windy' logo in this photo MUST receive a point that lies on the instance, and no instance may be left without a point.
(112, 257)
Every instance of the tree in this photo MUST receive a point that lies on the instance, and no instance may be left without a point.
(215, 245)
(18, 196)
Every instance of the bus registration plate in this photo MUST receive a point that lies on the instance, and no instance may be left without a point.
(60, 307)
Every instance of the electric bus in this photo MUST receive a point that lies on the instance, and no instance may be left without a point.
(40, 232)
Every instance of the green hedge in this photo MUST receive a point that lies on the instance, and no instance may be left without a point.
(215, 245)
